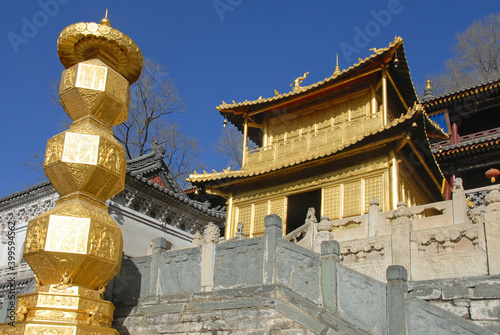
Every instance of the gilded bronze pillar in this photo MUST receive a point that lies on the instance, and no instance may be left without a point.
(76, 248)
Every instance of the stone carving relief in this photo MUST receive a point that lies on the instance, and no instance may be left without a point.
(211, 233)
(476, 215)
(36, 236)
(445, 239)
(108, 157)
(129, 197)
(311, 215)
(4, 233)
(361, 251)
(103, 243)
(197, 239)
(458, 187)
(345, 224)
(68, 79)
(239, 233)
(163, 212)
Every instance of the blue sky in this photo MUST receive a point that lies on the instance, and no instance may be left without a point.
(214, 51)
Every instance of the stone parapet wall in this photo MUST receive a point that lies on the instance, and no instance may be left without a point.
(474, 298)
(257, 310)
(265, 285)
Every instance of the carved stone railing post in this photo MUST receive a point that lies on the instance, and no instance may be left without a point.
(197, 239)
(459, 203)
(330, 258)
(492, 230)
(159, 246)
(395, 299)
(311, 231)
(324, 228)
(211, 235)
(240, 233)
(272, 232)
(401, 230)
(373, 222)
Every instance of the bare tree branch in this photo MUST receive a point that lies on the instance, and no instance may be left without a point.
(230, 145)
(53, 90)
(152, 98)
(477, 57)
(35, 166)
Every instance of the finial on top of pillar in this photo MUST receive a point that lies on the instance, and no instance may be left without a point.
(105, 20)
(84, 41)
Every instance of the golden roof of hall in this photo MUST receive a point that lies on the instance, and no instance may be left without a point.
(378, 54)
(392, 58)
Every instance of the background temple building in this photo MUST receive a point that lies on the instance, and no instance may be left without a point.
(334, 146)
(470, 118)
(356, 214)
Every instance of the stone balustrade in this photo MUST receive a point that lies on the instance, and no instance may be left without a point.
(433, 241)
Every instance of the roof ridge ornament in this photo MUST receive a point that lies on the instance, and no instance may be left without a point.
(377, 51)
(297, 81)
(428, 92)
(158, 149)
(337, 68)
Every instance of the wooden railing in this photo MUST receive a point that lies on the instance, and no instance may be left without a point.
(313, 141)
(435, 146)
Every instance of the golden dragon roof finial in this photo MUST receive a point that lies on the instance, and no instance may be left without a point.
(296, 82)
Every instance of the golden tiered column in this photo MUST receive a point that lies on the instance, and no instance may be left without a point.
(76, 248)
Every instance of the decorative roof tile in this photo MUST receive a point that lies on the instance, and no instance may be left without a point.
(445, 98)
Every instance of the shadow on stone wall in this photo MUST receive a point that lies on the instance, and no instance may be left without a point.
(124, 290)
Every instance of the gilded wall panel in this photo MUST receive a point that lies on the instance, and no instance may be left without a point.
(374, 188)
(245, 216)
(353, 131)
(259, 215)
(352, 198)
(267, 155)
(331, 202)
(278, 207)
(325, 116)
